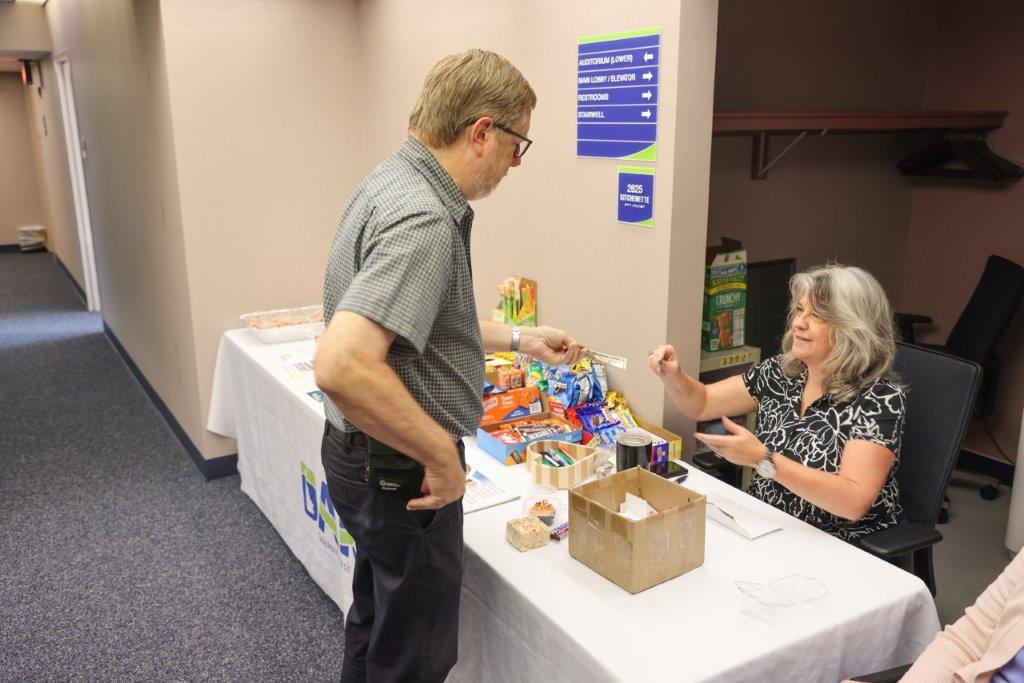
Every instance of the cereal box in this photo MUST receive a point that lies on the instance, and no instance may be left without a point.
(725, 296)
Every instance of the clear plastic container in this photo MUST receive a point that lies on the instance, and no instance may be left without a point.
(286, 324)
(766, 603)
(541, 500)
(800, 588)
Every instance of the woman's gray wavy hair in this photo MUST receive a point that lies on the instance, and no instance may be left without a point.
(863, 330)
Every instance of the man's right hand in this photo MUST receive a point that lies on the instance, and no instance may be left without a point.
(443, 483)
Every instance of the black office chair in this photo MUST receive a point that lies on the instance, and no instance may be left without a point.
(975, 335)
(941, 390)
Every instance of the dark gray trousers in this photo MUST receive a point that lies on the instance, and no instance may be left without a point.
(403, 624)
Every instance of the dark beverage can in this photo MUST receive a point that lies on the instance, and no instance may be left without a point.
(632, 449)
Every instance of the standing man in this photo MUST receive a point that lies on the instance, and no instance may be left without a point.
(402, 363)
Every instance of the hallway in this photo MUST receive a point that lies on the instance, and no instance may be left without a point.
(117, 560)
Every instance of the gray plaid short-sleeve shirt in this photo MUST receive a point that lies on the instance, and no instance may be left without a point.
(401, 258)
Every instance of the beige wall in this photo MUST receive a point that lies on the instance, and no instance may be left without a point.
(553, 218)
(691, 171)
(223, 148)
(119, 76)
(831, 198)
(23, 30)
(976, 63)
(19, 189)
(264, 100)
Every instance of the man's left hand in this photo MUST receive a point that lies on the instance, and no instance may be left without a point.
(739, 446)
(550, 345)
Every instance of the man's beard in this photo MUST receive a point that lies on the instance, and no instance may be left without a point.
(486, 181)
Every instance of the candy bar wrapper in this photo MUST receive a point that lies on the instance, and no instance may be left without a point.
(559, 532)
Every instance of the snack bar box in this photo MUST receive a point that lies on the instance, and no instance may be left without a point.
(513, 454)
(511, 404)
(636, 555)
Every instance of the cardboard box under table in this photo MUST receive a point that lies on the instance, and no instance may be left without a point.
(637, 554)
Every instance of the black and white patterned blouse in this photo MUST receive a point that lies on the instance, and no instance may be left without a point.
(817, 440)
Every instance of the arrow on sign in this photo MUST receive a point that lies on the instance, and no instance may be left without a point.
(646, 113)
(648, 56)
(648, 76)
(647, 95)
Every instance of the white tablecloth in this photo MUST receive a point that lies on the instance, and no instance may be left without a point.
(542, 615)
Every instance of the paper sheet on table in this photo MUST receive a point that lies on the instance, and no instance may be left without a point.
(742, 520)
(482, 493)
(636, 508)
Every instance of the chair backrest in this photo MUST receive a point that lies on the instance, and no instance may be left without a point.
(940, 397)
(989, 310)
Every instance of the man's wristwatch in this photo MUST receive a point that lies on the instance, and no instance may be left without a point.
(766, 468)
(515, 339)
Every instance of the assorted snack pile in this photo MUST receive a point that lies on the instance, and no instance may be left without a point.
(531, 430)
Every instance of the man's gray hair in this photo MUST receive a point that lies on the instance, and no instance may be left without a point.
(464, 87)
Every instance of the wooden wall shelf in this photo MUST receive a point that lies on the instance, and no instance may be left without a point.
(761, 125)
(748, 122)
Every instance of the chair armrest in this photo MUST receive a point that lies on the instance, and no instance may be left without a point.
(905, 324)
(913, 318)
(899, 540)
(887, 676)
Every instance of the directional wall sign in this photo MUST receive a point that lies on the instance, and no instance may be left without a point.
(636, 196)
(617, 95)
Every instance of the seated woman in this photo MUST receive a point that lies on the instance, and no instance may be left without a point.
(986, 644)
(830, 413)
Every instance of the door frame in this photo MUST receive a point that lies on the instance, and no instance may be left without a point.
(76, 169)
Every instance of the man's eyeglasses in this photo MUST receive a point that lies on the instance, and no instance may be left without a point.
(520, 151)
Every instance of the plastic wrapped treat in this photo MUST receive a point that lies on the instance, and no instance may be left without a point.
(527, 533)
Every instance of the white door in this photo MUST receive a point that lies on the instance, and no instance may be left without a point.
(77, 172)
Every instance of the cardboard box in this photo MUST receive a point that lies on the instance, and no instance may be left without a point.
(671, 446)
(637, 554)
(511, 404)
(583, 467)
(725, 296)
(513, 454)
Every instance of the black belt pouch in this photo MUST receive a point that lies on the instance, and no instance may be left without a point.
(389, 470)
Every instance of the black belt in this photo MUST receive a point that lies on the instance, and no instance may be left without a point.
(360, 440)
(357, 439)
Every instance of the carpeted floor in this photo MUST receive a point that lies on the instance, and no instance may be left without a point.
(972, 552)
(118, 561)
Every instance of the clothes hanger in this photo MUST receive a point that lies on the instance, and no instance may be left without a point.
(968, 146)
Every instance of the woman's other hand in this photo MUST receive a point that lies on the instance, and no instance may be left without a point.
(739, 446)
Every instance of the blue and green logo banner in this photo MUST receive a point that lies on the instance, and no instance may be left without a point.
(318, 506)
(617, 95)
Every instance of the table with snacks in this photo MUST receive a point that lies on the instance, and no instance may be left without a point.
(791, 604)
